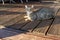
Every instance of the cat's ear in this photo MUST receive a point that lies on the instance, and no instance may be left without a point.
(26, 6)
(32, 6)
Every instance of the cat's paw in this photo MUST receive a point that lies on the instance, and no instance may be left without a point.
(26, 19)
(25, 16)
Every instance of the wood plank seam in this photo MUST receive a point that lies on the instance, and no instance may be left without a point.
(52, 21)
(18, 22)
(53, 25)
(23, 26)
(44, 26)
(57, 12)
(29, 27)
(11, 20)
(50, 26)
(20, 27)
(14, 23)
(35, 26)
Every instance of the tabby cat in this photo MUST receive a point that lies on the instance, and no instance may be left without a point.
(41, 14)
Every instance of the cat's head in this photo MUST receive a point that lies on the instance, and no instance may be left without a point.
(29, 8)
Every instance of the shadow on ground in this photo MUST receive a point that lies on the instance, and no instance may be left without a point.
(8, 32)
(11, 31)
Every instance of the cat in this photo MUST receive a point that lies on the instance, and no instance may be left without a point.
(41, 14)
(28, 12)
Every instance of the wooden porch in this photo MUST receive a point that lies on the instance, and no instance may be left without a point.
(12, 16)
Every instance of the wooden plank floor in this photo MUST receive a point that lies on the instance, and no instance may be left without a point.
(5, 18)
(55, 27)
(18, 25)
(30, 26)
(9, 17)
(43, 27)
(14, 18)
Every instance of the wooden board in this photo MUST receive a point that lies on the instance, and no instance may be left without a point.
(5, 18)
(55, 27)
(30, 26)
(12, 15)
(7, 32)
(14, 20)
(19, 24)
(42, 27)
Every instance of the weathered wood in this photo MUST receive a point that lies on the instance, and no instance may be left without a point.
(5, 18)
(42, 27)
(8, 32)
(55, 27)
(19, 24)
(14, 20)
(30, 26)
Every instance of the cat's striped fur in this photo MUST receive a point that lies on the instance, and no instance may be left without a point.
(41, 14)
